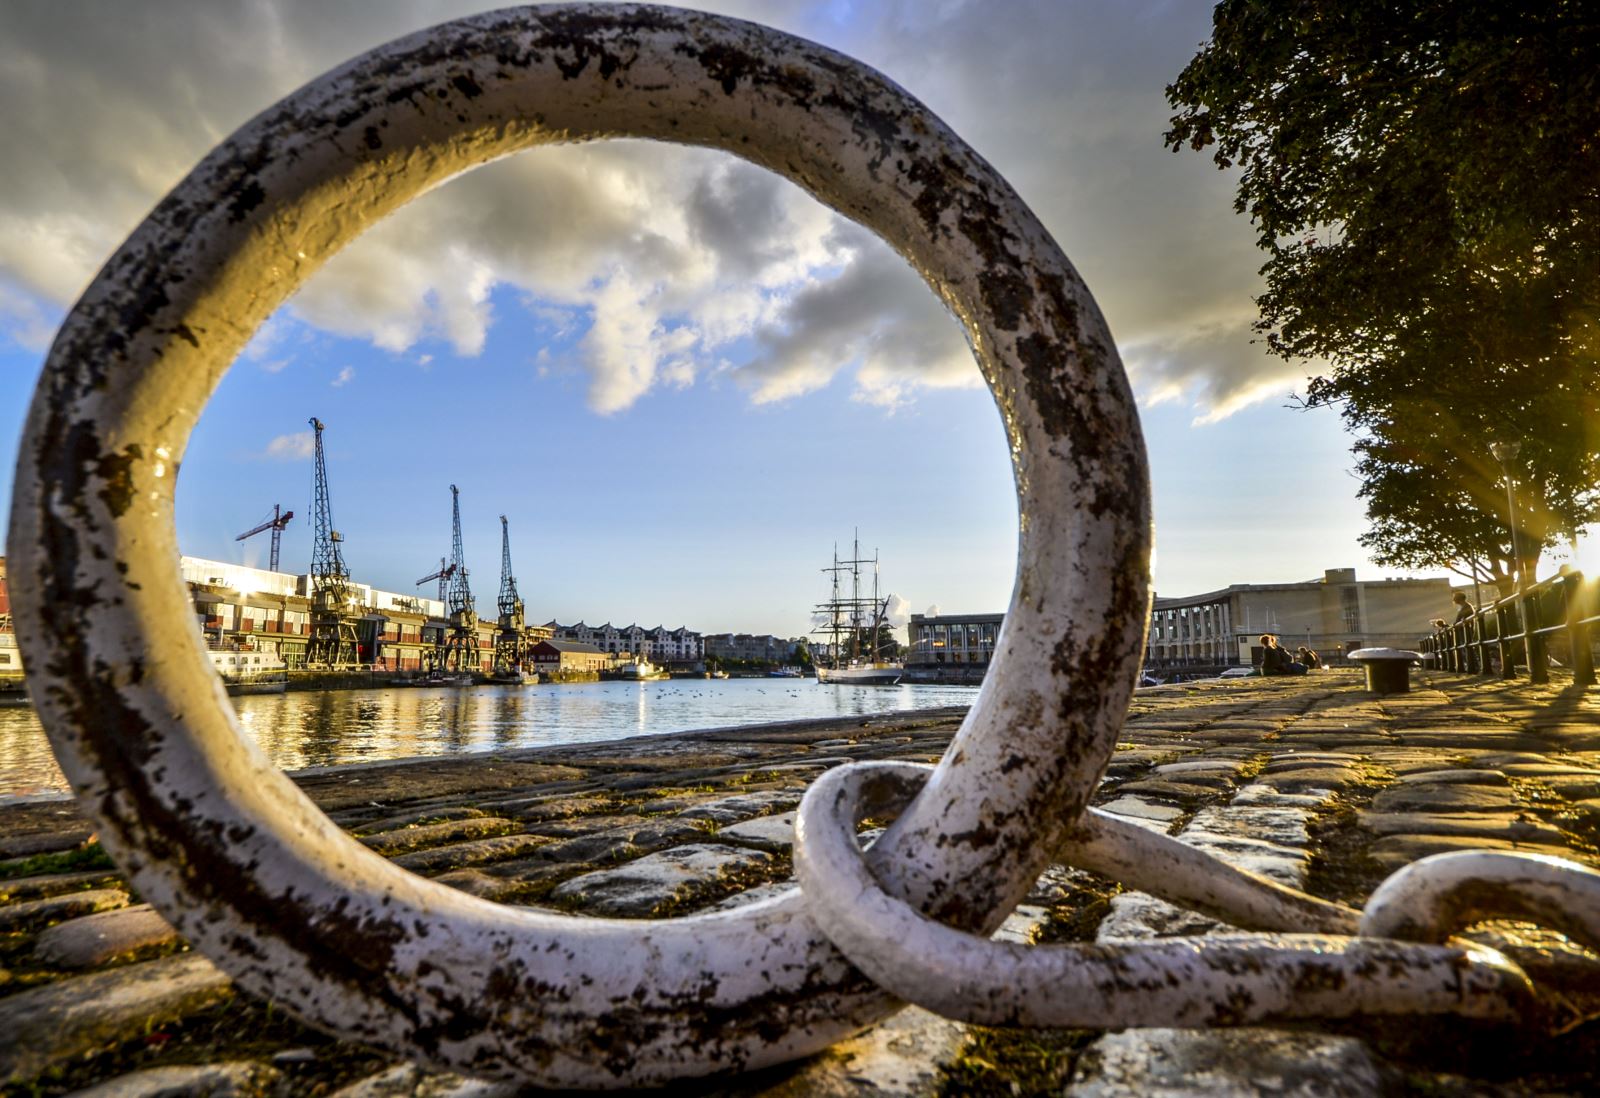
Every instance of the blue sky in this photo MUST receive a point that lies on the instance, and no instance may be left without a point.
(681, 379)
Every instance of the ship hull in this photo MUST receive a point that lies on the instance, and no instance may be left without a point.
(256, 686)
(882, 674)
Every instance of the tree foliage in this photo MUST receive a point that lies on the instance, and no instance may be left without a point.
(1424, 178)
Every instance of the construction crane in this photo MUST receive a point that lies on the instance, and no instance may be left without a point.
(280, 518)
(511, 641)
(333, 645)
(442, 575)
(459, 648)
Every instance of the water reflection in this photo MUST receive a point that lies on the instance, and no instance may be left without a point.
(332, 727)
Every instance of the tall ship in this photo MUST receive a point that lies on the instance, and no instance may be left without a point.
(854, 625)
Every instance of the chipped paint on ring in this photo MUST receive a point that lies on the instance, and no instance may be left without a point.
(242, 863)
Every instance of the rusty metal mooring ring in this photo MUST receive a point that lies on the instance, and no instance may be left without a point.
(242, 863)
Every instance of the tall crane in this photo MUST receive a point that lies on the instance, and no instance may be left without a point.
(511, 641)
(333, 644)
(459, 648)
(280, 518)
(442, 575)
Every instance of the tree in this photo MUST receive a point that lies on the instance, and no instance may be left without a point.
(1424, 179)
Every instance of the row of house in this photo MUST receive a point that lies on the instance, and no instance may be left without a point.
(1332, 615)
(657, 644)
(753, 647)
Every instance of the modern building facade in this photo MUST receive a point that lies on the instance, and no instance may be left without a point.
(947, 639)
(1333, 616)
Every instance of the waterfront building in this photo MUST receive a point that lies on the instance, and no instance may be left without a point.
(553, 656)
(10, 654)
(935, 639)
(1333, 615)
(243, 609)
(659, 644)
(253, 609)
(752, 647)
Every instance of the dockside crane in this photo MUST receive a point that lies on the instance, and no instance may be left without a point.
(280, 518)
(333, 645)
(458, 650)
(442, 575)
(511, 642)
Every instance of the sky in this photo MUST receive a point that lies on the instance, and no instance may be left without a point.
(681, 379)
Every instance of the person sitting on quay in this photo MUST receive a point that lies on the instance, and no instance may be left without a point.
(1306, 657)
(1275, 659)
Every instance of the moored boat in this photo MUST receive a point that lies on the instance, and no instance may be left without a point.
(855, 626)
(442, 678)
(250, 671)
(861, 673)
(642, 670)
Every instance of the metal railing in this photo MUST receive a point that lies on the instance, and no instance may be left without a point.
(1520, 628)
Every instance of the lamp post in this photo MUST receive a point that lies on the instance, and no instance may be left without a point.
(1505, 451)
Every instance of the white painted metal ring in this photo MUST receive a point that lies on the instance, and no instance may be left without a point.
(1443, 894)
(1216, 980)
(241, 862)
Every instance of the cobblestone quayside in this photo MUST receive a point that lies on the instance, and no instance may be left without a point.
(1311, 781)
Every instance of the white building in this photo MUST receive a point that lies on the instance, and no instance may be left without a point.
(680, 645)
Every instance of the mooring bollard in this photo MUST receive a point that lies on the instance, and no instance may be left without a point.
(246, 867)
(1388, 669)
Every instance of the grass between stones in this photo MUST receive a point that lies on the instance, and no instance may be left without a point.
(1006, 1062)
(1003, 1063)
(1341, 869)
(90, 855)
(237, 1029)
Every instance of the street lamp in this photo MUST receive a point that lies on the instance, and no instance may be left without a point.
(1505, 451)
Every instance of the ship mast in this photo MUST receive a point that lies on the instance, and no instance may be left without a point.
(855, 597)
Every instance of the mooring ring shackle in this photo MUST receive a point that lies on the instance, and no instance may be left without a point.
(1435, 897)
(1182, 982)
(242, 863)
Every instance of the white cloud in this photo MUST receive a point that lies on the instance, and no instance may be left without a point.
(679, 260)
(296, 447)
(346, 376)
(899, 612)
(24, 318)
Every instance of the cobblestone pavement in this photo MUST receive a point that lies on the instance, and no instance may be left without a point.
(1311, 781)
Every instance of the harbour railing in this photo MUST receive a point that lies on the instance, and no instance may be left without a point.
(1522, 628)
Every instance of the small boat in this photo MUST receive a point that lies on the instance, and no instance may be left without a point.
(718, 674)
(442, 678)
(514, 678)
(248, 671)
(13, 695)
(642, 670)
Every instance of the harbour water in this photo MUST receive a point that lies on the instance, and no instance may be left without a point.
(328, 728)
